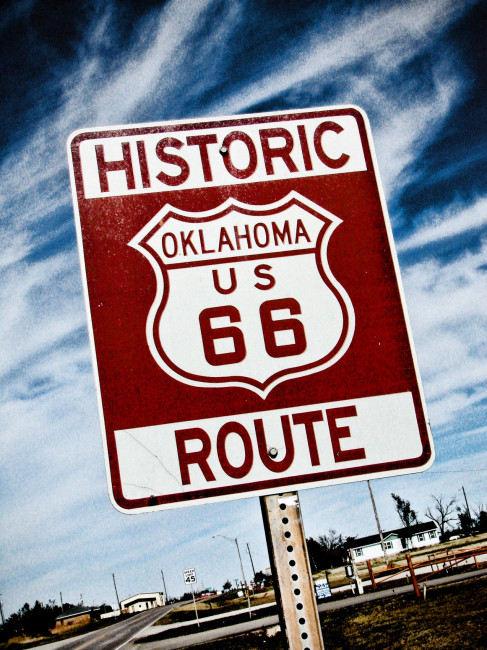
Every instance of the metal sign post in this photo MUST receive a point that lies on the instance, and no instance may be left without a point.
(289, 557)
(194, 603)
(189, 579)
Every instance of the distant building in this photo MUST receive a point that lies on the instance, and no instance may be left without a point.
(141, 602)
(395, 541)
(114, 613)
(78, 615)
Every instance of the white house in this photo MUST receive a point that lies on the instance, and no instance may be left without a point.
(395, 541)
(141, 602)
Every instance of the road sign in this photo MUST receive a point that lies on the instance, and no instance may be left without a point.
(322, 588)
(189, 576)
(247, 319)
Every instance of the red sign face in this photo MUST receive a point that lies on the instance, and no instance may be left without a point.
(246, 312)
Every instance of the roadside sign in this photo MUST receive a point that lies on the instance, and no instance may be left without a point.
(246, 313)
(189, 576)
(322, 589)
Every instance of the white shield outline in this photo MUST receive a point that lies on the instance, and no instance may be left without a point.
(330, 223)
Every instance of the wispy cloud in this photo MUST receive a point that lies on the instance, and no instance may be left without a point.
(363, 59)
(172, 61)
(457, 219)
(448, 309)
(164, 61)
(45, 307)
(382, 39)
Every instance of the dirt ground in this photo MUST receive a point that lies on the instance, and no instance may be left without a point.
(453, 616)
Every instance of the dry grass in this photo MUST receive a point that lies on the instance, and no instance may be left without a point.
(228, 602)
(453, 616)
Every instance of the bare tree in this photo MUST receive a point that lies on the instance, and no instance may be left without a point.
(480, 508)
(442, 513)
(481, 518)
(406, 514)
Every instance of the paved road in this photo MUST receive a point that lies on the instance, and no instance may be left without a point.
(120, 635)
(204, 637)
(211, 635)
(114, 636)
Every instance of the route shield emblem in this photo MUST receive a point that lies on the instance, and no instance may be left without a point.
(245, 296)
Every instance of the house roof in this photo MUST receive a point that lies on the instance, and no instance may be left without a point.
(401, 533)
(140, 597)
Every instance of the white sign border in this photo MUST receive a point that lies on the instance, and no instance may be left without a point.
(387, 223)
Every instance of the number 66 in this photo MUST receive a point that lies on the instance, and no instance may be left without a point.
(270, 327)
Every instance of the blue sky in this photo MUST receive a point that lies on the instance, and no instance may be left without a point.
(417, 68)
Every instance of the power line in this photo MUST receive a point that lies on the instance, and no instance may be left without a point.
(456, 471)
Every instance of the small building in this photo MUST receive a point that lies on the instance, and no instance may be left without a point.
(113, 613)
(141, 602)
(78, 615)
(395, 541)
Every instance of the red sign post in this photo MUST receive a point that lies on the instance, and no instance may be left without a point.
(246, 312)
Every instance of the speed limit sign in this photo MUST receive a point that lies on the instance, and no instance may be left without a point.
(189, 576)
(246, 312)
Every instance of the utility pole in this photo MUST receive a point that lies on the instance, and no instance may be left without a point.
(244, 578)
(116, 593)
(235, 541)
(165, 589)
(251, 561)
(378, 524)
(1, 610)
(61, 598)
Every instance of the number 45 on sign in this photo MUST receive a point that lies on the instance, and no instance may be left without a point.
(189, 576)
